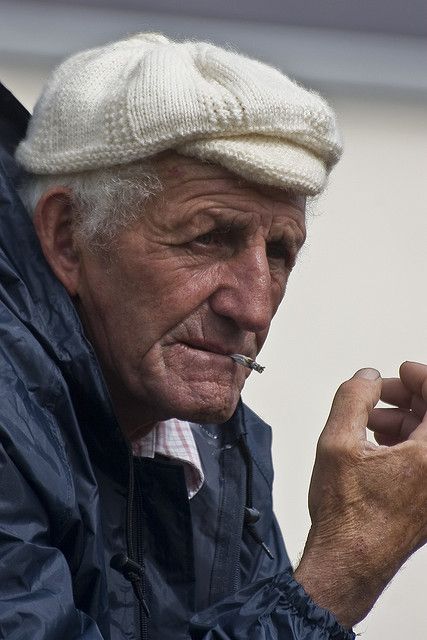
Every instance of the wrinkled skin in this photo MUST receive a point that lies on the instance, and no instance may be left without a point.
(368, 503)
(199, 276)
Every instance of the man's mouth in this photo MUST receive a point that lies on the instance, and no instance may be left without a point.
(229, 352)
(211, 347)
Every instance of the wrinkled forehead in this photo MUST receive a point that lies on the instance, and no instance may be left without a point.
(198, 179)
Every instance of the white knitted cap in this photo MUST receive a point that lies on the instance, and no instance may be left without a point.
(134, 98)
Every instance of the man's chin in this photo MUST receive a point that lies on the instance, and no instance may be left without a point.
(194, 393)
(212, 416)
(205, 410)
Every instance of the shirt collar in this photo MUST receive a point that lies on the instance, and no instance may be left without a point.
(174, 439)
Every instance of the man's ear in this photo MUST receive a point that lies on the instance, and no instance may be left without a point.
(52, 221)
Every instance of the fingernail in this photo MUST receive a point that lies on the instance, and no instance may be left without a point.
(367, 374)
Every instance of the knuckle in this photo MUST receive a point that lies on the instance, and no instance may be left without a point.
(416, 453)
(352, 395)
(346, 388)
(336, 449)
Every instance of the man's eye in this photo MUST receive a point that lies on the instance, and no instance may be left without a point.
(217, 237)
(206, 239)
(276, 250)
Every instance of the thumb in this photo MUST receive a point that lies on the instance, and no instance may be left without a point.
(352, 405)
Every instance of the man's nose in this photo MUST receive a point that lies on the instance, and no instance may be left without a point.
(244, 293)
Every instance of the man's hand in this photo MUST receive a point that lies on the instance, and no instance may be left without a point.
(367, 502)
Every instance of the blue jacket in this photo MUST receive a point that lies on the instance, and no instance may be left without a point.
(93, 542)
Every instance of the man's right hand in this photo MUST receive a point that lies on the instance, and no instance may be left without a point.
(367, 502)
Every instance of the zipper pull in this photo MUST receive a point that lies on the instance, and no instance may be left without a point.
(133, 572)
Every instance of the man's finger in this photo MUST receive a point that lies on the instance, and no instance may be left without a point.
(352, 405)
(394, 392)
(420, 433)
(418, 406)
(396, 424)
(388, 441)
(414, 377)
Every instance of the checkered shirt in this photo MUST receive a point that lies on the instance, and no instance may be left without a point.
(174, 439)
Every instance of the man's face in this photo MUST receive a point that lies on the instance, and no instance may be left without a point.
(199, 276)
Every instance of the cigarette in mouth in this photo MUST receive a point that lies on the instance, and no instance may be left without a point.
(246, 361)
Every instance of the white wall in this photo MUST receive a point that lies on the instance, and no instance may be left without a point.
(356, 299)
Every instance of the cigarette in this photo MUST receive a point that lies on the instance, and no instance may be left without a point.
(246, 361)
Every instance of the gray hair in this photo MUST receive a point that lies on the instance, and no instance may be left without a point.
(104, 201)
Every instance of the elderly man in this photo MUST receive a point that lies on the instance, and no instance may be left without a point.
(167, 183)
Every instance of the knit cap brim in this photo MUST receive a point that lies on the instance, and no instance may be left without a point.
(262, 159)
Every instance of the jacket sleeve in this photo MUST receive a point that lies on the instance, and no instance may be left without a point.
(36, 596)
(272, 605)
(272, 608)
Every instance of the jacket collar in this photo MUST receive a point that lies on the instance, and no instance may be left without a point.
(27, 290)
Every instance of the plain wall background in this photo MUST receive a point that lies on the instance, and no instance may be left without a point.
(356, 298)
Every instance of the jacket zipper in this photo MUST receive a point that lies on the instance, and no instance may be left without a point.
(138, 536)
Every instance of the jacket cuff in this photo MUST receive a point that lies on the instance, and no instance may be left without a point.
(299, 600)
